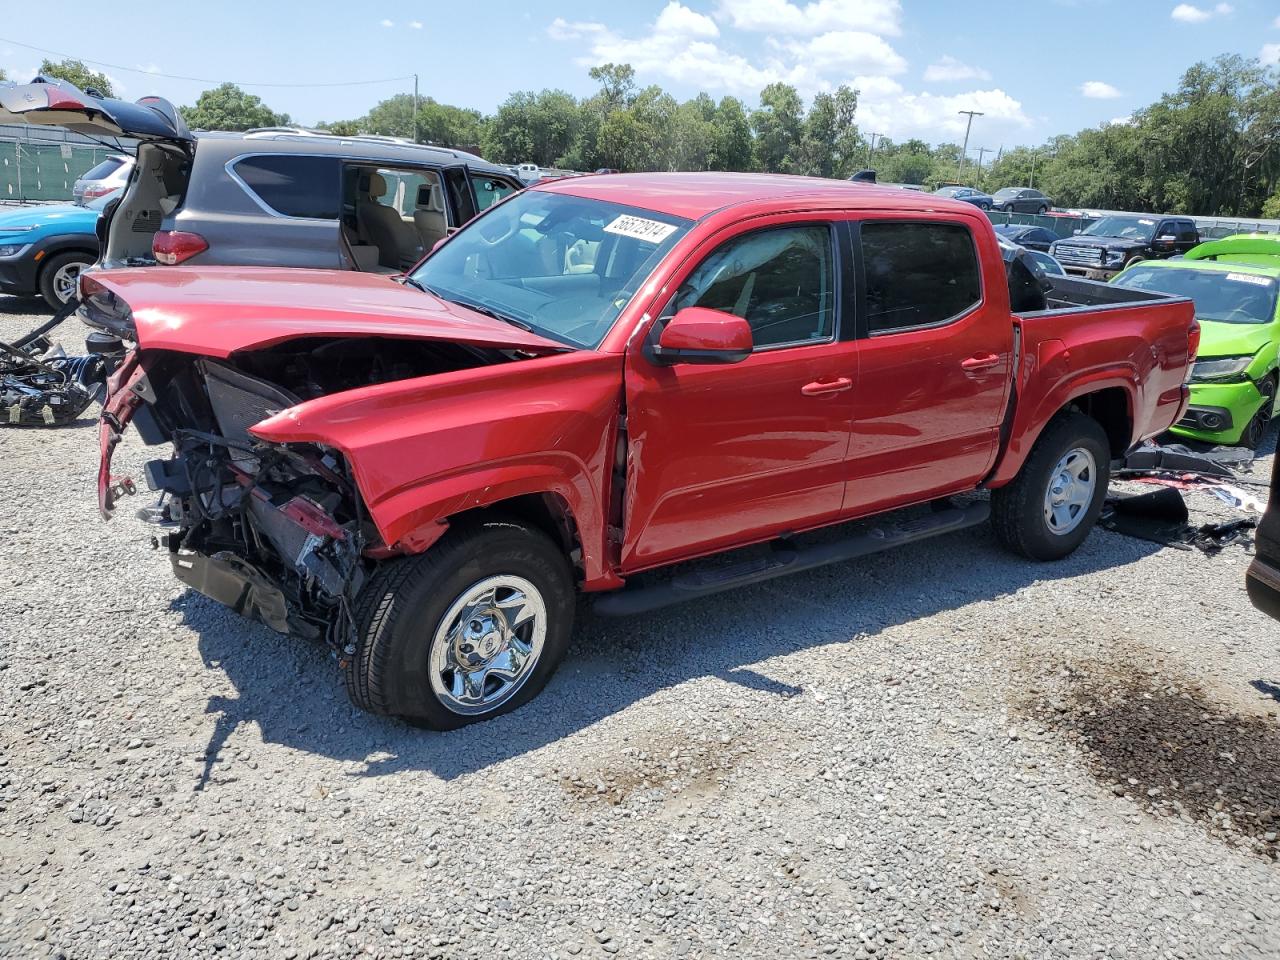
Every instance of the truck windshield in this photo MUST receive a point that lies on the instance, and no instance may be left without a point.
(562, 266)
(1129, 228)
(1222, 296)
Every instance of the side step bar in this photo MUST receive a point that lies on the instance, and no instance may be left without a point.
(788, 558)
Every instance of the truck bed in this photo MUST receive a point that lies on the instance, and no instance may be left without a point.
(1075, 294)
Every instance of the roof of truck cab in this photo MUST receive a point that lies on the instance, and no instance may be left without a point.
(695, 195)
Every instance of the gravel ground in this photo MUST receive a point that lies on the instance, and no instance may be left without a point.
(941, 751)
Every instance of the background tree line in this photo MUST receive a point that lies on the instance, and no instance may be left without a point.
(1210, 147)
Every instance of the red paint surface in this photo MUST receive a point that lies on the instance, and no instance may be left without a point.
(717, 456)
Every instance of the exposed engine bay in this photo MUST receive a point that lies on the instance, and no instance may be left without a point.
(277, 532)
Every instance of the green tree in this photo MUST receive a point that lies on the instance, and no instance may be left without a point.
(830, 141)
(392, 117)
(227, 107)
(533, 127)
(778, 124)
(448, 126)
(1271, 209)
(75, 72)
(733, 143)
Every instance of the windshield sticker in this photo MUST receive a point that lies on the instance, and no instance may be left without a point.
(638, 228)
(1146, 223)
(1249, 278)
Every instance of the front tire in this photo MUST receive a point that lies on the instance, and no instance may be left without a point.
(58, 277)
(1255, 430)
(465, 632)
(1053, 503)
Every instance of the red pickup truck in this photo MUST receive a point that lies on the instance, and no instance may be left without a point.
(606, 375)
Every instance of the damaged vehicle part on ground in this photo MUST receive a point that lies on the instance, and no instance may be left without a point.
(606, 376)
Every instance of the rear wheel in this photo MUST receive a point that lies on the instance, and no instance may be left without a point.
(1042, 210)
(470, 630)
(1256, 429)
(58, 277)
(1053, 503)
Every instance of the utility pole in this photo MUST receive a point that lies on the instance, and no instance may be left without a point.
(872, 148)
(964, 151)
(982, 152)
(415, 108)
(1034, 154)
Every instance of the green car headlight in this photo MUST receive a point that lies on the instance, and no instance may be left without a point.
(1220, 368)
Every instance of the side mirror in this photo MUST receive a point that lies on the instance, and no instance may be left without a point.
(700, 335)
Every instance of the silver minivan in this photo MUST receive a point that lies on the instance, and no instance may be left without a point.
(273, 197)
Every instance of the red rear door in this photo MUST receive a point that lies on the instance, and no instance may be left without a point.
(935, 355)
(723, 455)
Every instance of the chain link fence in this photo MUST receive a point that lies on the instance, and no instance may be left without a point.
(39, 165)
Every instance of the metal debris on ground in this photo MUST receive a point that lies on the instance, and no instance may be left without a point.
(40, 386)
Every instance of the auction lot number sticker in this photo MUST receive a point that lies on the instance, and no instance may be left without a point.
(638, 228)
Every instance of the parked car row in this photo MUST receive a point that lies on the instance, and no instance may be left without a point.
(43, 249)
(1009, 199)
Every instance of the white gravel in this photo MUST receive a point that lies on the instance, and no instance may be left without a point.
(943, 751)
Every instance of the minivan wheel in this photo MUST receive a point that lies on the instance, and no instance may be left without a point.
(467, 631)
(58, 277)
(1053, 503)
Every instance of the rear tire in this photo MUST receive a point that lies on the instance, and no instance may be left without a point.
(1042, 210)
(1054, 501)
(441, 642)
(58, 276)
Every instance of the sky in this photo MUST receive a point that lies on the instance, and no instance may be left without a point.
(1034, 68)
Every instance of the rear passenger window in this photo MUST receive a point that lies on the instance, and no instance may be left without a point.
(294, 186)
(780, 281)
(1187, 232)
(917, 274)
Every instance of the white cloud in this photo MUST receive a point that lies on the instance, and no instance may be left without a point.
(887, 107)
(1188, 13)
(148, 67)
(948, 70)
(677, 19)
(387, 23)
(881, 17)
(415, 24)
(1097, 90)
(1270, 55)
(847, 51)
(1125, 121)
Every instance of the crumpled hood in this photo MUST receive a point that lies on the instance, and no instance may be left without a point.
(67, 217)
(1218, 339)
(217, 311)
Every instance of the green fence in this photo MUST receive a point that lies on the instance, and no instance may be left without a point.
(32, 170)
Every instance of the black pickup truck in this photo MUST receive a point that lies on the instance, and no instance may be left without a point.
(1106, 247)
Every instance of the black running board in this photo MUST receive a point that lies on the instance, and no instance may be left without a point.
(787, 558)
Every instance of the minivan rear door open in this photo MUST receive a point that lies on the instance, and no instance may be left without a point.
(56, 103)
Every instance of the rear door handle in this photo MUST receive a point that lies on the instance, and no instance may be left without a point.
(983, 361)
(822, 387)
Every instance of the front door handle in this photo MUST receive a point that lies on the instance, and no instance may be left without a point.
(983, 361)
(820, 388)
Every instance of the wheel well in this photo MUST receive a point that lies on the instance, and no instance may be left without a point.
(547, 512)
(1110, 407)
(89, 252)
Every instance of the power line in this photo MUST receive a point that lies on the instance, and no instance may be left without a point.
(177, 76)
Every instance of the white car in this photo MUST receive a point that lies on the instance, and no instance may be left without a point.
(111, 174)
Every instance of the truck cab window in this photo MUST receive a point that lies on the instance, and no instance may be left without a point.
(779, 280)
(917, 274)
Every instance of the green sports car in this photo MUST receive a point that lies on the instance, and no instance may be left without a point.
(1234, 283)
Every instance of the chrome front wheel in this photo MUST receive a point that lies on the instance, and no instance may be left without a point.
(1070, 491)
(64, 280)
(487, 644)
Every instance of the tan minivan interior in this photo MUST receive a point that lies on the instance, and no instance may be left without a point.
(392, 217)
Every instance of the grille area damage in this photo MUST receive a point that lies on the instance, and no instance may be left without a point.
(278, 533)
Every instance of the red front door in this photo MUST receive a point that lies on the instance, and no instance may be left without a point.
(724, 455)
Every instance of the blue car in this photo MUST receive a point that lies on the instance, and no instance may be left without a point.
(44, 248)
(979, 199)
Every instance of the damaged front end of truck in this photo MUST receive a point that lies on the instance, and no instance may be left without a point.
(279, 532)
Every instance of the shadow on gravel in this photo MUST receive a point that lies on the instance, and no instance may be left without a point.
(24, 306)
(1162, 743)
(293, 689)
